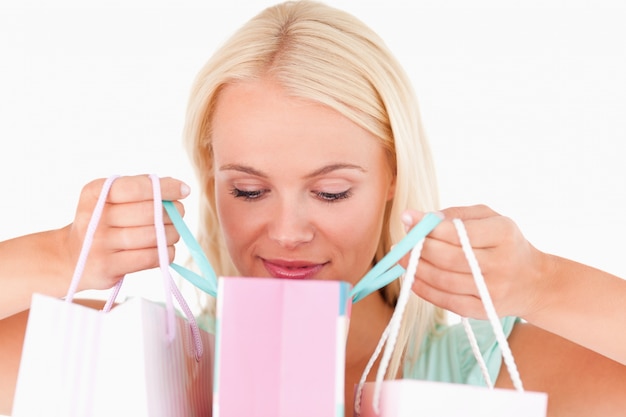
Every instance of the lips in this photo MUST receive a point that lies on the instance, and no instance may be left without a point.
(292, 269)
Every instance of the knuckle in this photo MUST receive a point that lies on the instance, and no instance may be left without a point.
(508, 229)
(92, 189)
(171, 234)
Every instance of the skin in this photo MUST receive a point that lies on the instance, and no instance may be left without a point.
(545, 290)
(574, 354)
(311, 211)
(283, 225)
(124, 243)
(273, 204)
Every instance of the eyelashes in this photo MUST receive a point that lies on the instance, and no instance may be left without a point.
(252, 195)
(247, 195)
(332, 197)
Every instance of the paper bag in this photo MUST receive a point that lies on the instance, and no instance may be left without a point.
(280, 347)
(409, 398)
(138, 359)
(78, 361)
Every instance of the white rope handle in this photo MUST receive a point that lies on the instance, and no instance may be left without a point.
(507, 355)
(476, 351)
(390, 333)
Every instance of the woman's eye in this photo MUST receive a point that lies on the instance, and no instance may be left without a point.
(332, 197)
(247, 195)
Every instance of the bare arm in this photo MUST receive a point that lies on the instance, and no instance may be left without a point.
(578, 381)
(580, 303)
(34, 263)
(584, 305)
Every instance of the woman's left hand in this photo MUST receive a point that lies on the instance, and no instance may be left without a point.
(514, 271)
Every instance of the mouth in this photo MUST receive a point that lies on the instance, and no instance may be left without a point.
(292, 269)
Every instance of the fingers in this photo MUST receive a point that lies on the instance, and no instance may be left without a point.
(463, 305)
(444, 256)
(479, 211)
(135, 238)
(125, 240)
(137, 188)
(453, 291)
(141, 259)
(506, 260)
(110, 270)
(135, 214)
(446, 281)
(484, 226)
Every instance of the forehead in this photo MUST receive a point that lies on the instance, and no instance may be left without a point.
(260, 120)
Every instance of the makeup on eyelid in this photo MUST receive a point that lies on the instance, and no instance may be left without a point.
(311, 211)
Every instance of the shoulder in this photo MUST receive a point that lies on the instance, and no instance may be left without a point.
(446, 354)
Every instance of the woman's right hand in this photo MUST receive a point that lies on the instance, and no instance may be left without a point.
(125, 240)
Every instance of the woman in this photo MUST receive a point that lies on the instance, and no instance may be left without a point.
(305, 133)
(309, 151)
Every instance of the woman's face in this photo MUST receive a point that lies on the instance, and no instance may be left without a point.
(300, 189)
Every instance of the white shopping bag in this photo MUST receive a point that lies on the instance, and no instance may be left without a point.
(138, 359)
(411, 398)
(78, 361)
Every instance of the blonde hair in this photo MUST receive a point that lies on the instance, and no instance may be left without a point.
(322, 54)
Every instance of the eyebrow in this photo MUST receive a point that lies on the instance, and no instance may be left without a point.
(334, 167)
(322, 171)
(243, 168)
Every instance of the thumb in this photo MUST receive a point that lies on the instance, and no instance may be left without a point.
(475, 212)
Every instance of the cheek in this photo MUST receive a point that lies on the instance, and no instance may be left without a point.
(357, 234)
(367, 229)
(233, 222)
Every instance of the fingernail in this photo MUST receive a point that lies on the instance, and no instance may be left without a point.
(407, 220)
(185, 190)
(439, 214)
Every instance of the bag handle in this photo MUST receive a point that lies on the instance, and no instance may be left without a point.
(387, 269)
(207, 282)
(390, 334)
(171, 290)
(492, 315)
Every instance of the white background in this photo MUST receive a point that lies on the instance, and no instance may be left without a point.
(524, 104)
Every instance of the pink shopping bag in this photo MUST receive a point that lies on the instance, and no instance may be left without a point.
(280, 347)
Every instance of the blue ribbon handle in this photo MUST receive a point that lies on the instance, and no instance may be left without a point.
(207, 282)
(387, 269)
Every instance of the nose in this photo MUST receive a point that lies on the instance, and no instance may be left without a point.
(291, 225)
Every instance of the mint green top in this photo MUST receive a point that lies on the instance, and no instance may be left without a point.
(446, 355)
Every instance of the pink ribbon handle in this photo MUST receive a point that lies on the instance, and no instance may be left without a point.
(168, 283)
